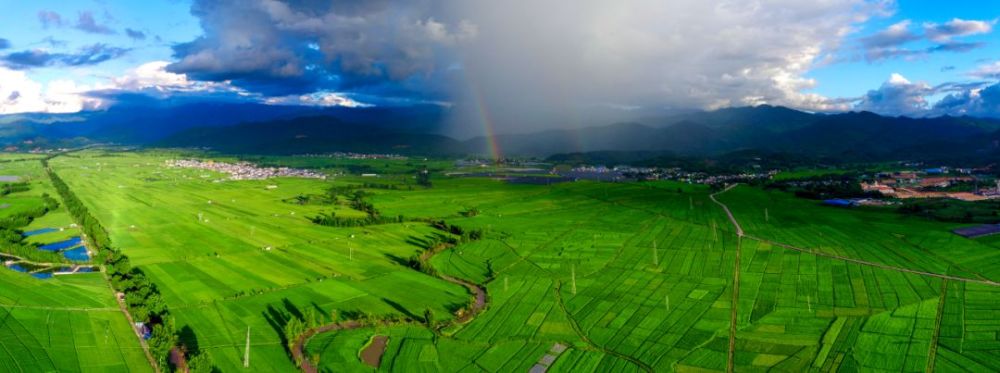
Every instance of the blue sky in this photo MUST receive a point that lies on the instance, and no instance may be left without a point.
(524, 61)
(854, 78)
(162, 22)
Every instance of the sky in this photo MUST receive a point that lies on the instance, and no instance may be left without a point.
(513, 65)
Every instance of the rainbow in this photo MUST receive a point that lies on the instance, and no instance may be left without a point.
(485, 119)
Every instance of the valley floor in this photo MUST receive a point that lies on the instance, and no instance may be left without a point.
(581, 276)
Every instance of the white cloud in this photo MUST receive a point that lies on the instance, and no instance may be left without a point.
(956, 27)
(898, 96)
(20, 94)
(322, 99)
(153, 76)
(987, 71)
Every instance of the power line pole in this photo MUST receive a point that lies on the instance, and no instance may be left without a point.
(572, 270)
(246, 355)
(656, 261)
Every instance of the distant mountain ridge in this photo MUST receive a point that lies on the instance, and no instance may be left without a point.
(289, 130)
(769, 128)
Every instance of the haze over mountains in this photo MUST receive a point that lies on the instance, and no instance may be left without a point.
(242, 128)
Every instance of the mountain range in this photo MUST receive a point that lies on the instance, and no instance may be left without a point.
(242, 128)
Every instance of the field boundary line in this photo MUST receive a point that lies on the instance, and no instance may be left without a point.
(874, 264)
(583, 336)
(733, 314)
(932, 351)
(739, 232)
(74, 309)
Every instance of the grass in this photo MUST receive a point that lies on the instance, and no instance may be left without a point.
(250, 259)
(65, 323)
(629, 276)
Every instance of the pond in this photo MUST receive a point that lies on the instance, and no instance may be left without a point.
(9, 178)
(78, 254)
(61, 245)
(38, 231)
(28, 268)
(42, 272)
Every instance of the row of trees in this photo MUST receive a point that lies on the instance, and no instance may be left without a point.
(332, 220)
(141, 296)
(824, 187)
(464, 235)
(9, 188)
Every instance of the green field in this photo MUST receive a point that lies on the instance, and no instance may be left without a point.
(627, 276)
(65, 323)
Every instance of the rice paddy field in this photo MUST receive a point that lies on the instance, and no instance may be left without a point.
(580, 276)
(64, 323)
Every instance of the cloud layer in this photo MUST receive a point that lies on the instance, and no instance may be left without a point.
(527, 61)
(87, 55)
(526, 64)
(891, 42)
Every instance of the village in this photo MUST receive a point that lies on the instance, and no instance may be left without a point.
(245, 170)
(940, 182)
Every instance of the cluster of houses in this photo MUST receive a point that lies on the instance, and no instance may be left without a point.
(350, 155)
(928, 184)
(245, 170)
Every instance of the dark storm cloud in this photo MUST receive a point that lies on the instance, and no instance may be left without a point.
(531, 63)
(135, 34)
(85, 22)
(301, 46)
(4, 43)
(88, 55)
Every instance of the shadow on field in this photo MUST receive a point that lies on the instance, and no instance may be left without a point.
(278, 318)
(398, 260)
(401, 309)
(420, 242)
(189, 340)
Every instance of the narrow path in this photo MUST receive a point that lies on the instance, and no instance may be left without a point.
(733, 314)
(478, 305)
(732, 219)
(739, 231)
(131, 323)
(48, 308)
(583, 336)
(932, 351)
